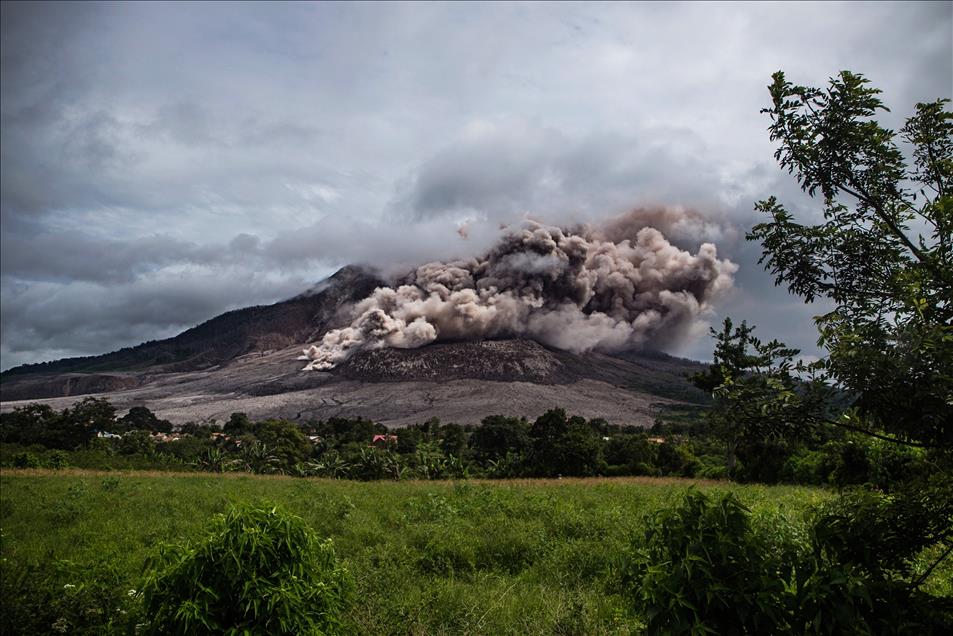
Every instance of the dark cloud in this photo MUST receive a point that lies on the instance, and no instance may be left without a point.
(164, 162)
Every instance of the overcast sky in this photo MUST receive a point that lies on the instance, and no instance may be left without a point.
(162, 163)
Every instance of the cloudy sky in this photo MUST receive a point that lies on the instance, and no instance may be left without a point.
(162, 163)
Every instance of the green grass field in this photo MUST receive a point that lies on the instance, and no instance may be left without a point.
(511, 557)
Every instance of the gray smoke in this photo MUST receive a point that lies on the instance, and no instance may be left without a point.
(616, 287)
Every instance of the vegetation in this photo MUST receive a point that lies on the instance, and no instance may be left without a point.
(888, 370)
(871, 419)
(257, 570)
(501, 447)
(449, 557)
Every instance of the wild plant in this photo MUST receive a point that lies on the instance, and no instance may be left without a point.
(258, 570)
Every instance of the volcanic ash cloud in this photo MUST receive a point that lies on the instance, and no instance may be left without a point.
(575, 290)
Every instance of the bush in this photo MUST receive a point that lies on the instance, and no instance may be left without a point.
(804, 467)
(26, 460)
(60, 596)
(258, 570)
(702, 569)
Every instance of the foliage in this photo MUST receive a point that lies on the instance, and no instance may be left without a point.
(543, 552)
(62, 596)
(759, 398)
(888, 368)
(498, 436)
(258, 570)
(889, 339)
(709, 566)
(140, 418)
(563, 446)
(701, 569)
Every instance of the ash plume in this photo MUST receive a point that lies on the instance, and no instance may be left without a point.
(610, 288)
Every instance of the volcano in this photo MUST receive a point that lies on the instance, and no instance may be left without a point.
(247, 360)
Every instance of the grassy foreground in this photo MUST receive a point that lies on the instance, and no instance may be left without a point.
(473, 557)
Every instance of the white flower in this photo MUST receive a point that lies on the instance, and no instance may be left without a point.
(69, 586)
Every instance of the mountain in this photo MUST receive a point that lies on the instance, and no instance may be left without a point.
(206, 346)
(245, 360)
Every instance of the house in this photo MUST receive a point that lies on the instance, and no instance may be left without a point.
(165, 437)
(384, 439)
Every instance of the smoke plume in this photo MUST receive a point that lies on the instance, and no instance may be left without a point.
(616, 287)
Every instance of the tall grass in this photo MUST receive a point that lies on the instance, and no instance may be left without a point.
(510, 557)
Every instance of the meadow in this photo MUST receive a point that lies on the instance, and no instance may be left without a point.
(468, 557)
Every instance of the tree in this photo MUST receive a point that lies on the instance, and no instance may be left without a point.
(27, 424)
(140, 418)
(753, 385)
(564, 446)
(84, 420)
(237, 424)
(498, 435)
(284, 440)
(882, 257)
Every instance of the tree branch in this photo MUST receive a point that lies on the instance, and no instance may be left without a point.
(859, 429)
(923, 577)
(865, 198)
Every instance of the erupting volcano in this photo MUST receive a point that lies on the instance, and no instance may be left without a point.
(579, 290)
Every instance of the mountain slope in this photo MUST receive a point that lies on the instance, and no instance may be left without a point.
(212, 343)
(246, 360)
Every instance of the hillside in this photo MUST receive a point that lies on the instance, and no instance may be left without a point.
(227, 336)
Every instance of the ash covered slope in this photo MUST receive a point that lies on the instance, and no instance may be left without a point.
(212, 343)
(522, 360)
(460, 382)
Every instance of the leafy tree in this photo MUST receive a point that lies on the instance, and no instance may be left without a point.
(755, 389)
(136, 442)
(140, 418)
(882, 258)
(237, 424)
(453, 440)
(498, 435)
(27, 424)
(630, 451)
(84, 420)
(564, 446)
(883, 255)
(675, 459)
(345, 430)
(285, 440)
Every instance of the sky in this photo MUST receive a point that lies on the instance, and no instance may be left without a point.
(163, 163)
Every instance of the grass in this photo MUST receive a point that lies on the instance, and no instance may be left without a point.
(473, 557)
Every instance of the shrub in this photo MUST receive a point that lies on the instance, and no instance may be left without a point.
(61, 596)
(57, 459)
(702, 569)
(258, 570)
(26, 460)
(804, 467)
